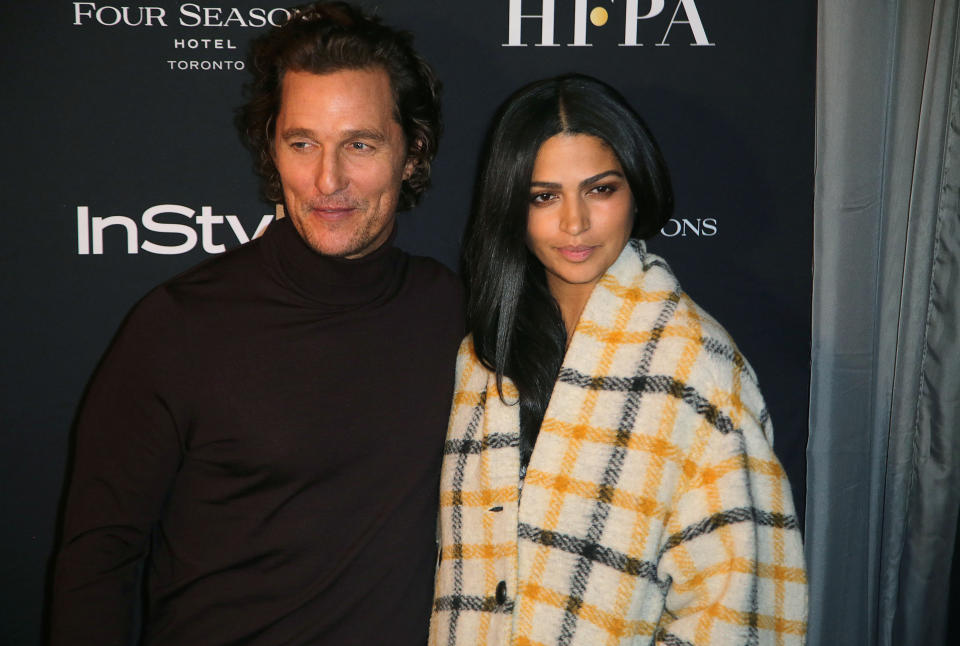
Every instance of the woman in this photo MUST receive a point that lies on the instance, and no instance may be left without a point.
(608, 476)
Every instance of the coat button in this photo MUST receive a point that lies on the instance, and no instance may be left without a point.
(501, 592)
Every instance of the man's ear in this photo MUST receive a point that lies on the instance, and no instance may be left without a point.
(271, 138)
(412, 159)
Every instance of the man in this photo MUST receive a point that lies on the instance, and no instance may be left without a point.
(263, 439)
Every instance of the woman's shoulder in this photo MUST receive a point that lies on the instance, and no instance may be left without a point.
(471, 371)
(677, 317)
(677, 334)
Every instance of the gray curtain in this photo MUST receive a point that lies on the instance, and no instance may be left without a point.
(883, 482)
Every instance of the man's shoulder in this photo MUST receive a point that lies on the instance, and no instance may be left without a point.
(437, 294)
(430, 274)
(233, 266)
(433, 272)
(223, 277)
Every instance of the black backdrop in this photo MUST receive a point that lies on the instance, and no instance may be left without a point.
(134, 122)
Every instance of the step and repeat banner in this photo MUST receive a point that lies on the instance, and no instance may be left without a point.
(122, 168)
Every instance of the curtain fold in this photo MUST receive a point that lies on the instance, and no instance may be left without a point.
(929, 409)
(883, 486)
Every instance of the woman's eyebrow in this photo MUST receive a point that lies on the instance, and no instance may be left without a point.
(552, 185)
(589, 180)
(599, 176)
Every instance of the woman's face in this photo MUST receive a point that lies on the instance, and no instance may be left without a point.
(581, 212)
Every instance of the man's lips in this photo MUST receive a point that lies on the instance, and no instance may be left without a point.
(332, 212)
(576, 253)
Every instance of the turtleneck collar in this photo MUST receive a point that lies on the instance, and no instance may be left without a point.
(329, 281)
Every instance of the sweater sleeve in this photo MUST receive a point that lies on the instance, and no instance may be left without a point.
(127, 450)
(733, 554)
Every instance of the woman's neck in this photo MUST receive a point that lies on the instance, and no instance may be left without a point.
(571, 299)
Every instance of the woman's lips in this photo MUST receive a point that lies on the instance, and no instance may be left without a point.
(576, 253)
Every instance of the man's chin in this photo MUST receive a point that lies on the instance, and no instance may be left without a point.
(339, 239)
(333, 248)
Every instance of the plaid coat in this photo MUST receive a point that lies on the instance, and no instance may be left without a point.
(653, 509)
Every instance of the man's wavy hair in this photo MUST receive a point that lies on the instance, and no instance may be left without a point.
(326, 37)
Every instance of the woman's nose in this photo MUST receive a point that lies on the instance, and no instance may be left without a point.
(575, 218)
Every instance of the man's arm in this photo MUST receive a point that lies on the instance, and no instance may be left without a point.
(127, 452)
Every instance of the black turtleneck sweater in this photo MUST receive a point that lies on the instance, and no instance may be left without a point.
(264, 439)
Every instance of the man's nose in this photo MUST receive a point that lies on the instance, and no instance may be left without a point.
(574, 217)
(330, 177)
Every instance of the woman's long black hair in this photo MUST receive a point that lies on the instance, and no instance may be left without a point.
(515, 322)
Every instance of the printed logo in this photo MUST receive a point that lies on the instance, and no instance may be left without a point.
(168, 220)
(656, 25)
(701, 228)
(189, 15)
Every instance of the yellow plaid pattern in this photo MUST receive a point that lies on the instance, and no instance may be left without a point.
(653, 510)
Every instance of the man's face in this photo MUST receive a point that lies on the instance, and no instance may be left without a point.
(342, 157)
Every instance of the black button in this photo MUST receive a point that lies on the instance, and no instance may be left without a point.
(497, 508)
(502, 592)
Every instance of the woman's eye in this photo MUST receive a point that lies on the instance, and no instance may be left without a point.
(603, 189)
(540, 198)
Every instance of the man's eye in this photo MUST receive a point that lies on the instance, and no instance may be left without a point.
(299, 145)
(359, 145)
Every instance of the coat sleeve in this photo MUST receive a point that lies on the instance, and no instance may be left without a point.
(127, 451)
(733, 554)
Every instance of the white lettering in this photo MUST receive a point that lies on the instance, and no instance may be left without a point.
(90, 231)
(693, 20)
(126, 17)
(671, 221)
(580, 24)
(706, 227)
(206, 220)
(206, 65)
(193, 15)
(156, 13)
(110, 16)
(203, 43)
(83, 234)
(582, 13)
(258, 17)
(634, 17)
(238, 231)
(78, 12)
(98, 225)
(192, 11)
(235, 17)
(150, 223)
(281, 11)
(116, 16)
(211, 17)
(514, 37)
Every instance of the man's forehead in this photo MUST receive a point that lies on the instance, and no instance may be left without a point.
(373, 80)
(351, 94)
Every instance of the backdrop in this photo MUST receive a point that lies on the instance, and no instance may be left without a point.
(122, 168)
